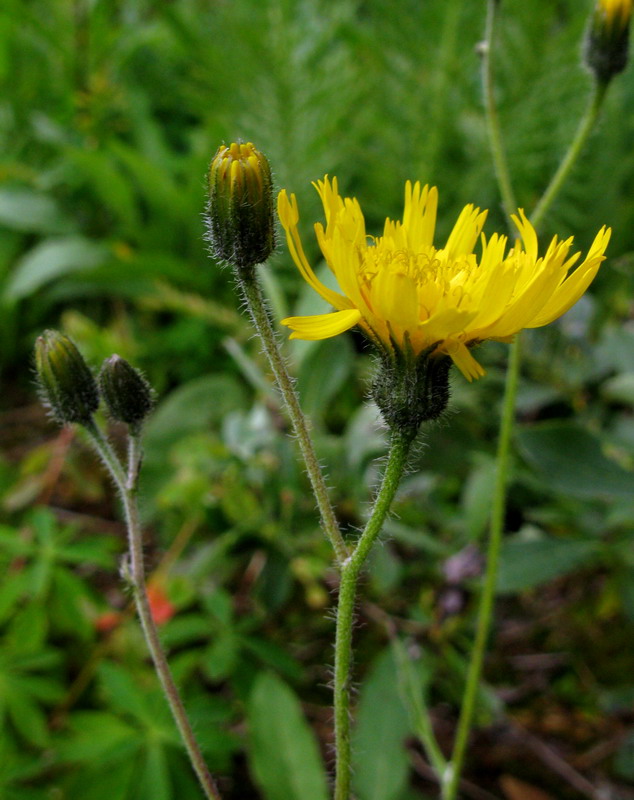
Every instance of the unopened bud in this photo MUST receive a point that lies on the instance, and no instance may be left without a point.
(128, 396)
(241, 226)
(607, 42)
(66, 383)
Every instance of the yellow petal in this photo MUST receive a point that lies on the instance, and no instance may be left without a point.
(419, 216)
(465, 232)
(394, 298)
(527, 232)
(289, 217)
(462, 358)
(322, 326)
(575, 285)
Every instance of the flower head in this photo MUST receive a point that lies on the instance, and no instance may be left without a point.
(607, 41)
(409, 296)
(240, 210)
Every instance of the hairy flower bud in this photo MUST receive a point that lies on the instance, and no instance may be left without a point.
(411, 390)
(66, 383)
(129, 397)
(241, 228)
(607, 42)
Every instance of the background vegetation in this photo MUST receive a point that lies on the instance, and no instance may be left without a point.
(109, 114)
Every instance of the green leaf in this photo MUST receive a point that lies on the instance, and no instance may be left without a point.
(476, 497)
(97, 736)
(619, 389)
(154, 779)
(26, 715)
(273, 656)
(52, 259)
(13, 587)
(186, 629)
(283, 753)
(220, 658)
(114, 191)
(123, 693)
(67, 606)
(380, 761)
(102, 782)
(322, 374)
(28, 628)
(25, 210)
(571, 461)
(526, 563)
(190, 408)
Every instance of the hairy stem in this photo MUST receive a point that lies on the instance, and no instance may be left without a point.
(350, 571)
(256, 306)
(584, 129)
(494, 130)
(135, 573)
(451, 777)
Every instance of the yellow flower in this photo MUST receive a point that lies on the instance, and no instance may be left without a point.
(404, 292)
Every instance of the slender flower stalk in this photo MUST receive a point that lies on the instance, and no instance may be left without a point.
(496, 141)
(135, 574)
(586, 126)
(350, 571)
(68, 387)
(254, 301)
(422, 307)
(241, 234)
(451, 777)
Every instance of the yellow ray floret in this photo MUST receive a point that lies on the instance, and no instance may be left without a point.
(403, 291)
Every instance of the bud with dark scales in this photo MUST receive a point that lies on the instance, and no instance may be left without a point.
(240, 221)
(128, 396)
(66, 383)
(607, 42)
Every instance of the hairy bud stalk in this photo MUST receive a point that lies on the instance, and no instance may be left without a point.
(66, 383)
(240, 221)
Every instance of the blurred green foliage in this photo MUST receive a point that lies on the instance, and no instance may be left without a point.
(109, 114)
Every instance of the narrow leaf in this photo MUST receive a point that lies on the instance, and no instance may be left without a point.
(283, 754)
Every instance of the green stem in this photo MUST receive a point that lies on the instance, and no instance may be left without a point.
(350, 570)
(496, 143)
(451, 778)
(580, 138)
(107, 454)
(136, 575)
(256, 306)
